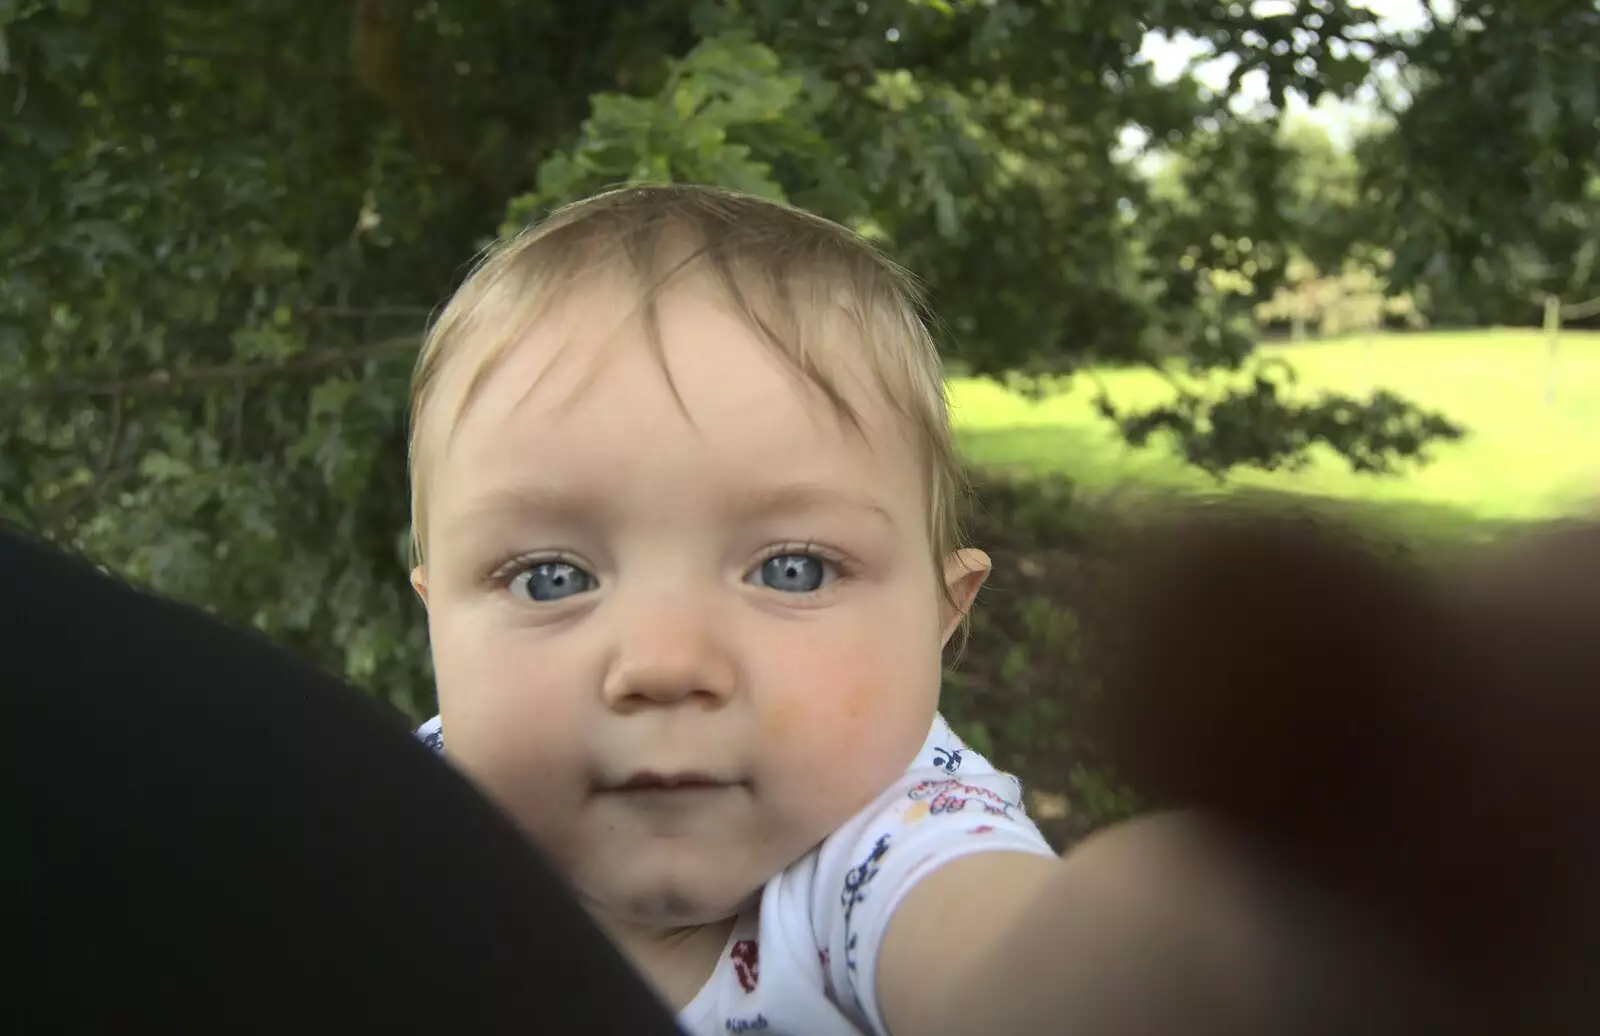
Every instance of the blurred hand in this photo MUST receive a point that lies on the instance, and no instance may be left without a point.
(1419, 745)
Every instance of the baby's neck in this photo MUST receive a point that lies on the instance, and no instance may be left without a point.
(676, 962)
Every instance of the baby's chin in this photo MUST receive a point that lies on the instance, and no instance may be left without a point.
(667, 903)
(686, 881)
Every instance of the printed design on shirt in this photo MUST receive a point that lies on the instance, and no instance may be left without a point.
(756, 1024)
(948, 759)
(855, 886)
(953, 796)
(827, 976)
(433, 738)
(746, 957)
(981, 829)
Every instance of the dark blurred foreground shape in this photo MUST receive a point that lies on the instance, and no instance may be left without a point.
(1421, 743)
(218, 838)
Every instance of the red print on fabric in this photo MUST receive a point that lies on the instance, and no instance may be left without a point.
(951, 796)
(746, 958)
(981, 829)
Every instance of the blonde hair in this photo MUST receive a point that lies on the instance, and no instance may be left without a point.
(787, 272)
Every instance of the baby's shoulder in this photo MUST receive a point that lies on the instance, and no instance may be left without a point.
(837, 901)
(950, 789)
(950, 802)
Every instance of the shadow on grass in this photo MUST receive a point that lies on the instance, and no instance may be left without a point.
(1090, 456)
(1095, 471)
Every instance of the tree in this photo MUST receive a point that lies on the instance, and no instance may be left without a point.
(1488, 186)
(1317, 201)
(228, 223)
(1353, 298)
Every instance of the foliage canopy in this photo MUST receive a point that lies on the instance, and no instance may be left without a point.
(226, 225)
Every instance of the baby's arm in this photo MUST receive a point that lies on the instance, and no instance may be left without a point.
(1432, 759)
(941, 910)
(1162, 925)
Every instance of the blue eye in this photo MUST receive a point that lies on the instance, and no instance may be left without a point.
(794, 573)
(551, 581)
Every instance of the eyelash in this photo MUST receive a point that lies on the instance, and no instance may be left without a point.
(509, 569)
(840, 564)
(506, 571)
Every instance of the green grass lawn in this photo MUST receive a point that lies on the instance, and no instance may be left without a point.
(1521, 459)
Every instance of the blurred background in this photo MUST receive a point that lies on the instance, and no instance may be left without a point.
(1322, 250)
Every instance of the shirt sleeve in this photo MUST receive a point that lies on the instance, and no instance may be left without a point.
(934, 814)
(431, 734)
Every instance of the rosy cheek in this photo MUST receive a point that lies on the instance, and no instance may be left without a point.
(846, 714)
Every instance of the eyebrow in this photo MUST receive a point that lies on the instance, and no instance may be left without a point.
(765, 501)
(559, 505)
(582, 507)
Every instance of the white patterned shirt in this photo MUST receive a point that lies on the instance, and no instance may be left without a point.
(802, 962)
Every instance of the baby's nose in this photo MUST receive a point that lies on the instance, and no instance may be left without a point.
(667, 655)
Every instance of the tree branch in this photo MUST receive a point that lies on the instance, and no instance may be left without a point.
(66, 512)
(102, 469)
(165, 381)
(381, 67)
(372, 311)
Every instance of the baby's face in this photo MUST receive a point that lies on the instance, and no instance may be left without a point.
(679, 642)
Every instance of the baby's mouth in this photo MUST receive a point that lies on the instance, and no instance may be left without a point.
(651, 781)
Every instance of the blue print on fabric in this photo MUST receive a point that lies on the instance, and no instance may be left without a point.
(431, 734)
(855, 885)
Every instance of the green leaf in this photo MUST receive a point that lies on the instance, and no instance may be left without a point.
(162, 467)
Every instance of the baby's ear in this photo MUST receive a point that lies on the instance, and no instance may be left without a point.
(964, 573)
(419, 583)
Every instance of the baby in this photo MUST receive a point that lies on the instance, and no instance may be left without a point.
(685, 503)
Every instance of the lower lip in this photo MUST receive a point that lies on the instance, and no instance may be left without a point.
(686, 790)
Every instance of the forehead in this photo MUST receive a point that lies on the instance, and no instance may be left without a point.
(592, 393)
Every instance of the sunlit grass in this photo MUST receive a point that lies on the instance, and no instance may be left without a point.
(1522, 459)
